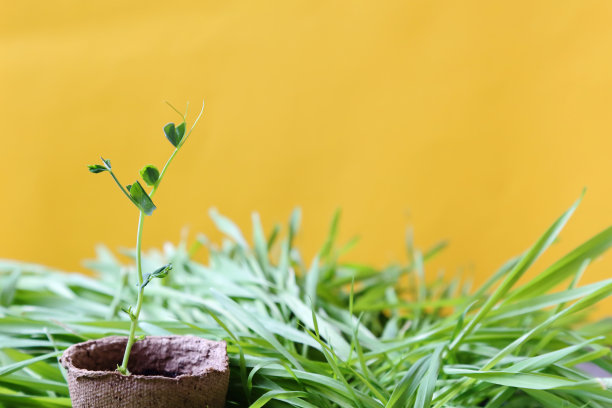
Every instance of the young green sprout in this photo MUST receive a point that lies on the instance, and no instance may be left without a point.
(137, 194)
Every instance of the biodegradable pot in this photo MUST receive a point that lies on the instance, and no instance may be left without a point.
(167, 371)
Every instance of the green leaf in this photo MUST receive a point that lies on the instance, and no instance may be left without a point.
(533, 381)
(161, 272)
(97, 168)
(228, 227)
(141, 199)
(549, 400)
(17, 400)
(236, 311)
(294, 224)
(565, 267)
(407, 386)
(259, 242)
(106, 163)
(428, 382)
(516, 272)
(149, 174)
(180, 130)
(10, 286)
(128, 311)
(273, 235)
(544, 360)
(331, 236)
(173, 134)
(18, 381)
(10, 368)
(278, 394)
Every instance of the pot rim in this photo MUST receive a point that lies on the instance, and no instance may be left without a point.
(66, 361)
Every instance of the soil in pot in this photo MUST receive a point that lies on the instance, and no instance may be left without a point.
(167, 371)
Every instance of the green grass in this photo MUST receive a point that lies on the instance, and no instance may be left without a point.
(327, 333)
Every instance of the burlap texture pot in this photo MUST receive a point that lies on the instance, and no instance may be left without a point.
(167, 371)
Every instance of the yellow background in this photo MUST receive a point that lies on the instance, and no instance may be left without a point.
(475, 121)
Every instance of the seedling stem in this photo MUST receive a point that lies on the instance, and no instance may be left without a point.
(136, 194)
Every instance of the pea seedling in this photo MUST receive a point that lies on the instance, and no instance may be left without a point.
(136, 193)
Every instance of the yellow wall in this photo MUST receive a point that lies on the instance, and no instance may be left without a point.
(479, 122)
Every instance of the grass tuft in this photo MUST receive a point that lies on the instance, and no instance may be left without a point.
(327, 333)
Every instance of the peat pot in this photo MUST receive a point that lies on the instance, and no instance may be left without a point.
(167, 371)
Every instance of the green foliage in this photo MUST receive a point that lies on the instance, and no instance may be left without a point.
(174, 134)
(161, 272)
(141, 198)
(149, 174)
(97, 168)
(327, 333)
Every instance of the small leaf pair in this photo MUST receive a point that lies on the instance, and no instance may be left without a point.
(99, 168)
(150, 174)
(175, 134)
(128, 311)
(161, 272)
(140, 198)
